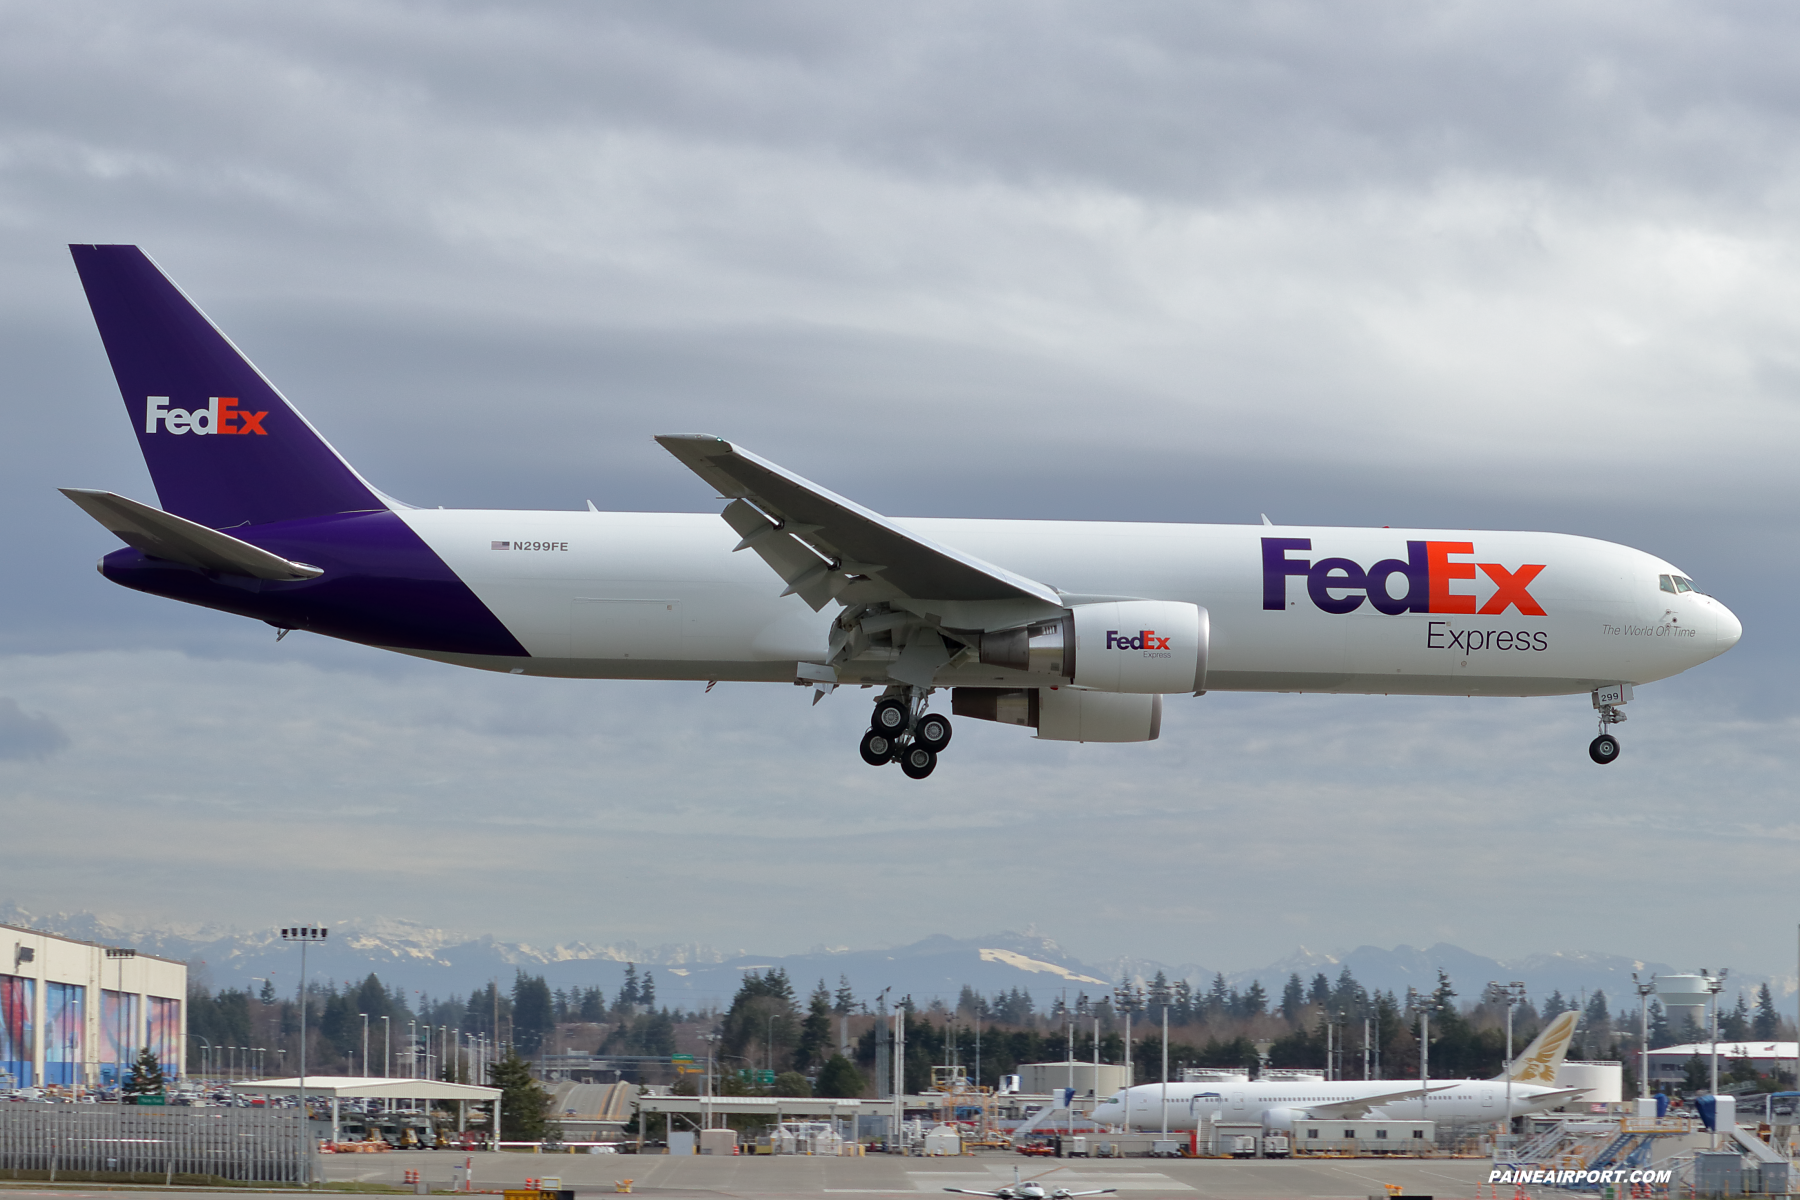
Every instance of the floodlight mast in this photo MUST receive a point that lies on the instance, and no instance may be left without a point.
(1713, 985)
(1645, 989)
(305, 935)
(1514, 994)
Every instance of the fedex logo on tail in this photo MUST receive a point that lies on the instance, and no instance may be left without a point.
(1430, 569)
(221, 415)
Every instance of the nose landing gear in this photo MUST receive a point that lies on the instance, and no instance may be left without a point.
(1604, 749)
(1607, 701)
(900, 730)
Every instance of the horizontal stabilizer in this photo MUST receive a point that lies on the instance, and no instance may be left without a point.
(165, 535)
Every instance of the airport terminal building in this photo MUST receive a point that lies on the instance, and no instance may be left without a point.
(74, 1012)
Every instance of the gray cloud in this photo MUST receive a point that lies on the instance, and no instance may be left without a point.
(1250, 825)
(27, 735)
(1450, 265)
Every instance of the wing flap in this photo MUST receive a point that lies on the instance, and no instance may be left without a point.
(165, 535)
(844, 537)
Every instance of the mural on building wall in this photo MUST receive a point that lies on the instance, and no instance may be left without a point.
(17, 1000)
(64, 1041)
(165, 1034)
(118, 1030)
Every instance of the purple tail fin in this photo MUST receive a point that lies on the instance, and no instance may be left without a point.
(224, 448)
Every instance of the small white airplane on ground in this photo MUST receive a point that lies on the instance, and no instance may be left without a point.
(1074, 629)
(1031, 1189)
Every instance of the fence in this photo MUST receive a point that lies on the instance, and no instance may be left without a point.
(261, 1145)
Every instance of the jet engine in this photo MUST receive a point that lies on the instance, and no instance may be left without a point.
(1138, 646)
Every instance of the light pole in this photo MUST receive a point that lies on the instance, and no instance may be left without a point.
(1714, 985)
(119, 954)
(1513, 993)
(387, 1047)
(1424, 1057)
(1645, 987)
(1165, 1073)
(412, 1049)
(306, 935)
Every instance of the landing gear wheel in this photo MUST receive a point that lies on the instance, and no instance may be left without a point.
(933, 732)
(877, 748)
(891, 716)
(917, 761)
(1604, 749)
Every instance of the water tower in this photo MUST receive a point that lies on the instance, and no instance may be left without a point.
(1685, 996)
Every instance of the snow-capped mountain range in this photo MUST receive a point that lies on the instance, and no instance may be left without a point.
(438, 962)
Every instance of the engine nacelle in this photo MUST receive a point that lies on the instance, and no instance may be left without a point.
(1141, 646)
(1064, 714)
(1041, 648)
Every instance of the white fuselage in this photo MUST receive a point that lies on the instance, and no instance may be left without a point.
(662, 596)
(1277, 1104)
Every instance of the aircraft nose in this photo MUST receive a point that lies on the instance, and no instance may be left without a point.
(1727, 630)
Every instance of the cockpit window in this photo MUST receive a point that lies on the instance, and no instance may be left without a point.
(1685, 585)
(1668, 582)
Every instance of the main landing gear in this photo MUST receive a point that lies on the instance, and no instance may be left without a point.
(902, 731)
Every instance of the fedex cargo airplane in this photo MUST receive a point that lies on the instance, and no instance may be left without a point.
(1073, 629)
(1277, 1104)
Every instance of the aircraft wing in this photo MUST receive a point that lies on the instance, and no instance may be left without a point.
(1350, 1110)
(972, 1192)
(165, 535)
(1553, 1097)
(819, 542)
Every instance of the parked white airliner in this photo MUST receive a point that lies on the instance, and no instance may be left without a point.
(1076, 630)
(1277, 1104)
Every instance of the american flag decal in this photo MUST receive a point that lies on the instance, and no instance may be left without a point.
(502, 546)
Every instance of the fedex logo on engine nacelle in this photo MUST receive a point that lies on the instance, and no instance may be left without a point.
(221, 415)
(1339, 585)
(1143, 639)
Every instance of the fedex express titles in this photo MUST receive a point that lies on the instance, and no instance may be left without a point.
(1430, 571)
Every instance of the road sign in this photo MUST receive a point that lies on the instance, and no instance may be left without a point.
(766, 1078)
(681, 1058)
(157, 1098)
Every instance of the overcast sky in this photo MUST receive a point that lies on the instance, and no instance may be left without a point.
(1498, 266)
